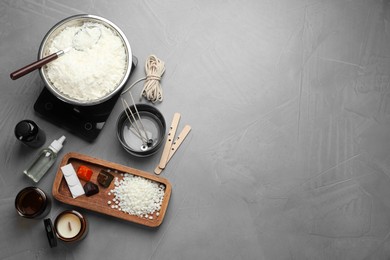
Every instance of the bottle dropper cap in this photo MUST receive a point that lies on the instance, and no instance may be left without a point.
(57, 145)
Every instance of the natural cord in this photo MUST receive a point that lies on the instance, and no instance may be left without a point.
(154, 69)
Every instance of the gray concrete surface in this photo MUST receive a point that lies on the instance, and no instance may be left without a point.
(289, 101)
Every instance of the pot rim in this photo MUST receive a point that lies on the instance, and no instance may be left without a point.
(72, 101)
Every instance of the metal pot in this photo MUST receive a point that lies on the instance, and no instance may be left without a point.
(78, 20)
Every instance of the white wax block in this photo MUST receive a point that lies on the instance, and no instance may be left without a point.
(72, 180)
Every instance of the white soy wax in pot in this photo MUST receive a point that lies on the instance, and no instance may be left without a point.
(90, 73)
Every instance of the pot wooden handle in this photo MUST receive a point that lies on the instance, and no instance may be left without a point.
(33, 66)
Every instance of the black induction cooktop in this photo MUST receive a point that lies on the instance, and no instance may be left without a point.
(84, 121)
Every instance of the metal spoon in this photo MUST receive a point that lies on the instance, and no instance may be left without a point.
(37, 64)
(84, 38)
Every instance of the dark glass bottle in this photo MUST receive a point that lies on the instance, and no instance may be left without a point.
(28, 132)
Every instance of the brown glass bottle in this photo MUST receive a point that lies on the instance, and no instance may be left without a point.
(28, 132)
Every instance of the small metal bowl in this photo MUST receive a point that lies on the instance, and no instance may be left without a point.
(78, 20)
(152, 123)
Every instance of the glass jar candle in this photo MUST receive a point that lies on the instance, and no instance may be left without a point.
(32, 202)
(69, 226)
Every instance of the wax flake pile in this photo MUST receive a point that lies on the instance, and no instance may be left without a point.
(89, 74)
(137, 196)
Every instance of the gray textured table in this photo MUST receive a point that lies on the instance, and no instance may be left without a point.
(288, 158)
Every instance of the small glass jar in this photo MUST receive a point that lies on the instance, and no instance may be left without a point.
(69, 226)
(32, 202)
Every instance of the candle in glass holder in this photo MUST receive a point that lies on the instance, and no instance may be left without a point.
(70, 226)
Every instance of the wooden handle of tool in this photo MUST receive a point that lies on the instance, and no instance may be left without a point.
(33, 66)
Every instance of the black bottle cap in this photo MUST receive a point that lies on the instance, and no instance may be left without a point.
(26, 130)
(50, 232)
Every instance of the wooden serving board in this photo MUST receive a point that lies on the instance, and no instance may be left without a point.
(99, 201)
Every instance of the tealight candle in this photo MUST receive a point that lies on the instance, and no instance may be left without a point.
(70, 226)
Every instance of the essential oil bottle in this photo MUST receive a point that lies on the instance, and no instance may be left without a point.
(44, 161)
(28, 132)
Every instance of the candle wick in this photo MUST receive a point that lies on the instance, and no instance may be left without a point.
(69, 226)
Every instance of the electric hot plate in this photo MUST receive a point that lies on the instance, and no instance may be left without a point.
(84, 121)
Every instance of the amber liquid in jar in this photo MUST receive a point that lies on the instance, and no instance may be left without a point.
(31, 202)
